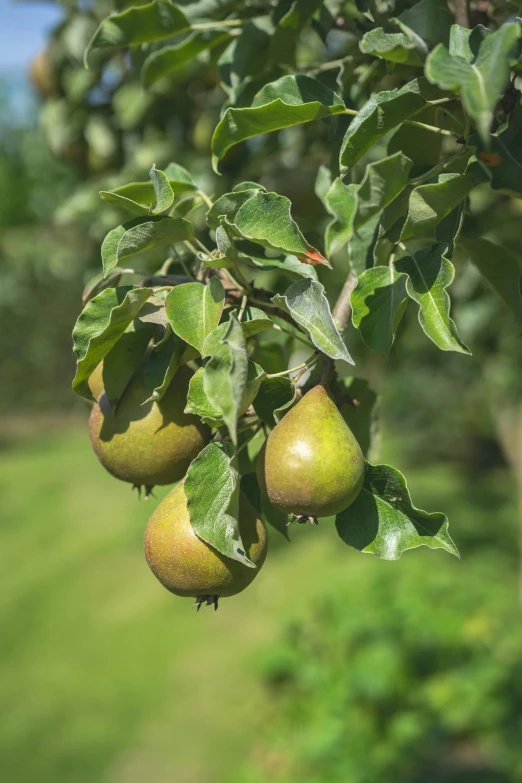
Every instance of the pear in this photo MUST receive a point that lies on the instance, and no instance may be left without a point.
(151, 443)
(186, 565)
(311, 464)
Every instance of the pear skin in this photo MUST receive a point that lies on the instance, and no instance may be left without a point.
(311, 464)
(148, 444)
(189, 567)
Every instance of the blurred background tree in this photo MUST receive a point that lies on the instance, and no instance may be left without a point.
(407, 674)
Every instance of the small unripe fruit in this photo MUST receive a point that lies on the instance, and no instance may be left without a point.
(189, 567)
(311, 464)
(152, 443)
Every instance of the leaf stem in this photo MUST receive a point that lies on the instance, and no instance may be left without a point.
(213, 25)
(436, 169)
(208, 201)
(243, 308)
(307, 364)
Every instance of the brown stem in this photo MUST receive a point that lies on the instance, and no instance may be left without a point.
(461, 12)
(342, 309)
(157, 280)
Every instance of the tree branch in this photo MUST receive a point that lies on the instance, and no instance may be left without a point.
(461, 12)
(342, 309)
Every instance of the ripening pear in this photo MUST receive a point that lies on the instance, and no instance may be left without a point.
(151, 443)
(189, 567)
(311, 464)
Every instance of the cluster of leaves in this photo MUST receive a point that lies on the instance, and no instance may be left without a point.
(451, 103)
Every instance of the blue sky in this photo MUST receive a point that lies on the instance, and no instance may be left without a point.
(23, 30)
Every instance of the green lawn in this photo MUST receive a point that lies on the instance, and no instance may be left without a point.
(107, 678)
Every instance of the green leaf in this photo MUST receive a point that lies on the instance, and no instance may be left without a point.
(482, 82)
(341, 202)
(289, 265)
(429, 204)
(168, 60)
(362, 243)
(396, 47)
(138, 25)
(226, 372)
(381, 114)
(163, 365)
(194, 310)
(309, 307)
(212, 490)
(227, 206)
(162, 190)
(274, 397)
(429, 19)
(502, 159)
(501, 269)
(140, 197)
(378, 304)
(429, 274)
(125, 356)
(199, 404)
(265, 218)
(466, 43)
(255, 321)
(291, 100)
(138, 235)
(225, 243)
(100, 324)
(382, 183)
(384, 522)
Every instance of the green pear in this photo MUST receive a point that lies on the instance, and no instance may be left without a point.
(189, 567)
(311, 464)
(151, 443)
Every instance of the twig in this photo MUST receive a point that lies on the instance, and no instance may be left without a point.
(461, 12)
(343, 310)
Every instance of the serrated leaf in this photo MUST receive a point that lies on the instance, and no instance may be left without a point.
(383, 181)
(212, 490)
(138, 25)
(481, 83)
(307, 304)
(265, 218)
(502, 159)
(429, 204)
(142, 234)
(341, 202)
(274, 397)
(194, 310)
(168, 60)
(291, 100)
(429, 274)
(199, 404)
(100, 324)
(227, 205)
(501, 269)
(226, 372)
(381, 114)
(383, 521)
(378, 304)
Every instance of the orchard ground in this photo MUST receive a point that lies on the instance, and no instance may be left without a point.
(107, 677)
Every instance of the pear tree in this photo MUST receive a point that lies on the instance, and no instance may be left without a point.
(227, 342)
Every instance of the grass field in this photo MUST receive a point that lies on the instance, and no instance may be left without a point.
(105, 677)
